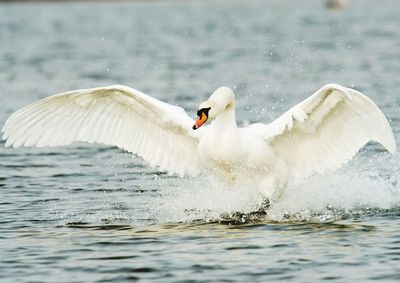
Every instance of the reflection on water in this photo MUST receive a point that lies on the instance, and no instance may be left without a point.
(88, 213)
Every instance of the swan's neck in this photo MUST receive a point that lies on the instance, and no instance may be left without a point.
(226, 121)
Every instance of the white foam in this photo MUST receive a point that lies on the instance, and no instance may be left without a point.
(368, 182)
(198, 199)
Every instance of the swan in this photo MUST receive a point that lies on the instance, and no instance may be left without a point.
(320, 133)
(337, 4)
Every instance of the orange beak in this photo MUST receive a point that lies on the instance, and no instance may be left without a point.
(200, 121)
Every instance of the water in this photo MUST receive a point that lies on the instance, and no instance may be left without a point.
(87, 213)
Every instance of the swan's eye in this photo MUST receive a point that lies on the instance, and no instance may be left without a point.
(203, 110)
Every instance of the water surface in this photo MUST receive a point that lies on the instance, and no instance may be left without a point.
(88, 213)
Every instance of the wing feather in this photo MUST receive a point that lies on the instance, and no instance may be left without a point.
(328, 129)
(114, 115)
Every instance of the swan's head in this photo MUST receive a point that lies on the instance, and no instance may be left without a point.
(220, 101)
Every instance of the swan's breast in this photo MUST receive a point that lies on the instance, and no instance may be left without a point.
(235, 151)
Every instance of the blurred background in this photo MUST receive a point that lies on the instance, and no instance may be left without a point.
(179, 50)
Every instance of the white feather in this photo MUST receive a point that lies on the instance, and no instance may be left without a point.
(114, 115)
(328, 129)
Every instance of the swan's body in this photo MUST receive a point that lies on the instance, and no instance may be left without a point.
(320, 133)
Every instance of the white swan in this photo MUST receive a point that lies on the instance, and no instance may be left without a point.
(320, 133)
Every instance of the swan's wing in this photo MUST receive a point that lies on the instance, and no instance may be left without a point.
(327, 129)
(116, 115)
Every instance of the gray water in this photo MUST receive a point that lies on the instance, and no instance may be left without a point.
(89, 213)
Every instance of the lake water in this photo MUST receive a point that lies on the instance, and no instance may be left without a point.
(87, 213)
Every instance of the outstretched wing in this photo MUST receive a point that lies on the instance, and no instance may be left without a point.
(114, 115)
(327, 129)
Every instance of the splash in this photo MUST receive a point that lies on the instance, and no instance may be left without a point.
(367, 185)
(200, 200)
